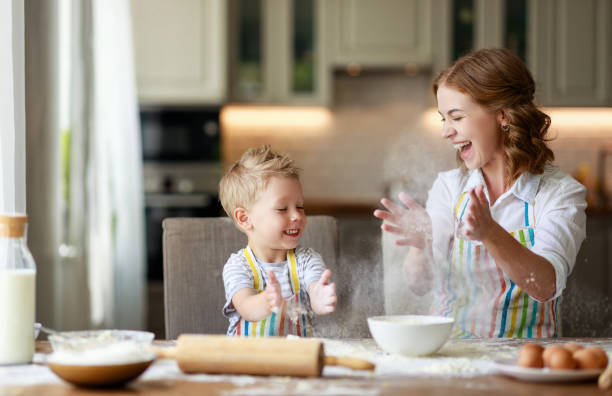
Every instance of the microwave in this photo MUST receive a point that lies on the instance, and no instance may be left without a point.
(186, 134)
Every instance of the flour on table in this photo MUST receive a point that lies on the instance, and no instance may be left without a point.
(457, 358)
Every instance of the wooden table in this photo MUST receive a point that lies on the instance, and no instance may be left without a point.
(444, 385)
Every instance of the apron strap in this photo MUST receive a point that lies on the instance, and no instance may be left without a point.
(464, 199)
(295, 283)
(257, 283)
(529, 215)
(257, 278)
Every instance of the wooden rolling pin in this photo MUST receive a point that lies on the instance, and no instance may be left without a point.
(605, 378)
(196, 353)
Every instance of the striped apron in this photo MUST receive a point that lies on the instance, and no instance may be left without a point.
(292, 318)
(481, 297)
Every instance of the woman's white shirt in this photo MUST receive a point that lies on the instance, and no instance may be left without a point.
(558, 203)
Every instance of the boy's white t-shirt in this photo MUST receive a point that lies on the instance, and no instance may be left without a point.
(237, 275)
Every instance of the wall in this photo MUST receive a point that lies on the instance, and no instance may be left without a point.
(383, 128)
(344, 159)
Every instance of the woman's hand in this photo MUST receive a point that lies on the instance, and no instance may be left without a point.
(411, 223)
(323, 295)
(477, 221)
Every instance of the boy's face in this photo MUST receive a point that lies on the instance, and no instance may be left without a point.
(277, 220)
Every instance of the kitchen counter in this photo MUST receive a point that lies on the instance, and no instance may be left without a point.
(461, 367)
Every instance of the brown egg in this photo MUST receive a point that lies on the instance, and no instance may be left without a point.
(530, 355)
(548, 352)
(561, 359)
(534, 346)
(572, 346)
(587, 359)
(601, 354)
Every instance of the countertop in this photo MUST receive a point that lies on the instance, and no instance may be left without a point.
(461, 367)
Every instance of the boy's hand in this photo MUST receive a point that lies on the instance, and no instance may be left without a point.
(323, 295)
(273, 293)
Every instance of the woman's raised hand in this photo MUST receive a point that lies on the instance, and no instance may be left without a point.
(410, 222)
(477, 220)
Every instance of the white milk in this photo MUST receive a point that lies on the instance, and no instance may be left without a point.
(17, 288)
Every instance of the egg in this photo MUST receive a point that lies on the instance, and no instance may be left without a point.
(572, 347)
(548, 352)
(561, 359)
(534, 346)
(601, 354)
(530, 355)
(587, 359)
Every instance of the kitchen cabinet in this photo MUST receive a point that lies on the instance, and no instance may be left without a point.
(570, 49)
(567, 45)
(180, 51)
(477, 24)
(380, 33)
(278, 52)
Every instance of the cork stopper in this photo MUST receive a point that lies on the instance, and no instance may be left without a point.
(13, 225)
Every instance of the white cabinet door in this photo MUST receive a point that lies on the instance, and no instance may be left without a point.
(269, 79)
(380, 32)
(570, 46)
(180, 51)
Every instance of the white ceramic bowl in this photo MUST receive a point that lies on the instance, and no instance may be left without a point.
(411, 335)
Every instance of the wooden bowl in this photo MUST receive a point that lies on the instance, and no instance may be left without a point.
(110, 375)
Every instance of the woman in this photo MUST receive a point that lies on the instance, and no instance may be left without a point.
(504, 229)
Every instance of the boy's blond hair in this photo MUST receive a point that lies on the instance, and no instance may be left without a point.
(248, 177)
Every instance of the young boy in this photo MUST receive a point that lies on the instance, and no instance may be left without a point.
(271, 285)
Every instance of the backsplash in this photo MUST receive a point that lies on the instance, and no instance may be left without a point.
(383, 129)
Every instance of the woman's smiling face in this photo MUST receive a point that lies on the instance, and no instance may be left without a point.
(472, 128)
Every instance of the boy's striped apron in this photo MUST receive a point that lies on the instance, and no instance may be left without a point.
(292, 318)
(482, 299)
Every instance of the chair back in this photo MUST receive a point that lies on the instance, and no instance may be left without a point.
(194, 252)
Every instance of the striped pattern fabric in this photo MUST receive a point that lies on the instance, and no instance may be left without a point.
(293, 316)
(482, 299)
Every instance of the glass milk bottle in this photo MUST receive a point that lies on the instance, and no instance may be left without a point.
(17, 291)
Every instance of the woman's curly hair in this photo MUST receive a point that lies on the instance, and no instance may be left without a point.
(498, 80)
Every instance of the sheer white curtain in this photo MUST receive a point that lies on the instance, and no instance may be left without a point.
(86, 224)
(107, 219)
(12, 107)
(115, 173)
